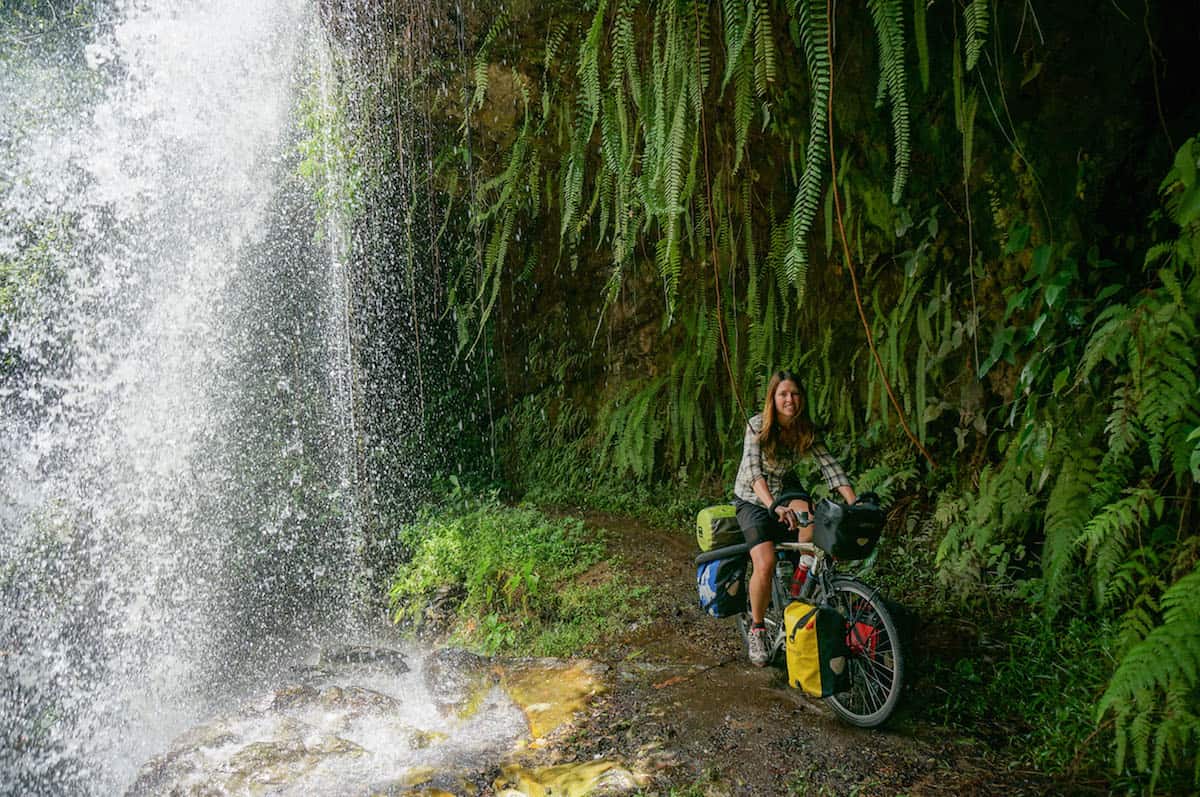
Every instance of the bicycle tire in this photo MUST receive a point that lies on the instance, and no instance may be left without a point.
(876, 663)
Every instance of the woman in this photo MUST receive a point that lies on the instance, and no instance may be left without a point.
(775, 441)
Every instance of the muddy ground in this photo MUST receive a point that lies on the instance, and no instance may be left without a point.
(684, 706)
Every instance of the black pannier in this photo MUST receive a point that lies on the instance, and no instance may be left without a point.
(848, 532)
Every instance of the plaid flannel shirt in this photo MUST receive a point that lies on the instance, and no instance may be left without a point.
(755, 466)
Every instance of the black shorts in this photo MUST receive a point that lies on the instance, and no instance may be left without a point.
(760, 524)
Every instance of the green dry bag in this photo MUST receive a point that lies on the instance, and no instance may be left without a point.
(717, 527)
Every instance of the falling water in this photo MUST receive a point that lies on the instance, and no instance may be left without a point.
(176, 491)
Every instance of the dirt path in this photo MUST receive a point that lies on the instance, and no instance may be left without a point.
(686, 705)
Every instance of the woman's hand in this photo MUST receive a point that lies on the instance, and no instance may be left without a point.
(786, 516)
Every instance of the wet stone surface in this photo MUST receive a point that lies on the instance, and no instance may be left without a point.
(360, 720)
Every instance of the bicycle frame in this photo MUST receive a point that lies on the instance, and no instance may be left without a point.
(876, 657)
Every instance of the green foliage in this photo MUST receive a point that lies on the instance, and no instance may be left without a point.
(1156, 688)
(684, 146)
(329, 159)
(1029, 681)
(480, 71)
(556, 461)
(814, 33)
(513, 568)
(1116, 458)
(633, 427)
(42, 245)
(976, 15)
(44, 25)
(889, 33)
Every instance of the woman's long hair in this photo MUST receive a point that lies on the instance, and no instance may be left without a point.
(798, 436)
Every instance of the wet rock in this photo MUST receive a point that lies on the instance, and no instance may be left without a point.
(421, 740)
(213, 760)
(356, 700)
(310, 674)
(293, 696)
(439, 615)
(423, 782)
(453, 677)
(279, 762)
(342, 657)
(552, 691)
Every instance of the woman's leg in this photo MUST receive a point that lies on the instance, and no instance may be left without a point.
(763, 557)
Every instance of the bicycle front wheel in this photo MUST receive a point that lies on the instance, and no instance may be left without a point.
(876, 661)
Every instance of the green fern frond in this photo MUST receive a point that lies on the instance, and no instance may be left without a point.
(814, 29)
(795, 268)
(625, 59)
(1142, 618)
(1135, 583)
(765, 69)
(554, 40)
(1122, 425)
(1067, 512)
(737, 17)
(976, 15)
(589, 66)
(889, 33)
(1155, 684)
(1110, 332)
(572, 173)
(1181, 188)
(921, 38)
(481, 60)
(743, 110)
(701, 56)
(1109, 535)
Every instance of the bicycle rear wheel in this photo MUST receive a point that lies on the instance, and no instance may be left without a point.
(876, 661)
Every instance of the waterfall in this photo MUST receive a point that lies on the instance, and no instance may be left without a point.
(176, 471)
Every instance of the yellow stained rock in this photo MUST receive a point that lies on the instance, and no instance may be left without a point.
(415, 776)
(566, 780)
(550, 694)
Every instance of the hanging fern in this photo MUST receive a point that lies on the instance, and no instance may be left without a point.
(589, 66)
(481, 60)
(632, 426)
(889, 33)
(921, 39)
(737, 17)
(765, 70)
(555, 36)
(976, 16)
(814, 34)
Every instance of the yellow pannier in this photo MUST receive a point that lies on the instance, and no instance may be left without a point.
(816, 649)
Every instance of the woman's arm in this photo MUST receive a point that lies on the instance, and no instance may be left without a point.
(783, 512)
(834, 475)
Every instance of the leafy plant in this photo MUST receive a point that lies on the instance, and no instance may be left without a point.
(512, 568)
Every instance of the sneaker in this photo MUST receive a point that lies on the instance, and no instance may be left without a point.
(757, 642)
